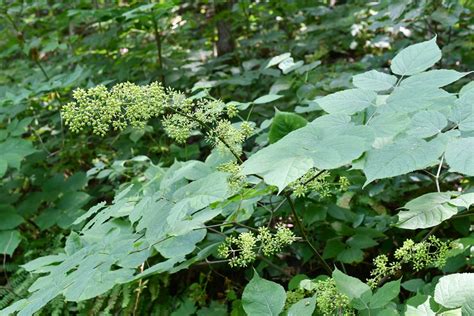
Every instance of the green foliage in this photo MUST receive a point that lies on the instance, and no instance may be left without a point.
(283, 123)
(456, 290)
(262, 297)
(429, 253)
(243, 250)
(287, 140)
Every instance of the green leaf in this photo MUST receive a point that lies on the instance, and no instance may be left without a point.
(304, 307)
(361, 241)
(374, 81)
(283, 123)
(385, 294)
(416, 58)
(460, 155)
(262, 297)
(464, 200)
(288, 65)
(401, 157)
(9, 241)
(413, 285)
(105, 255)
(267, 98)
(295, 281)
(427, 210)
(434, 78)
(347, 102)
(351, 255)
(3, 167)
(328, 142)
(21, 127)
(456, 290)
(463, 114)
(14, 150)
(350, 286)
(412, 99)
(180, 246)
(422, 309)
(389, 124)
(427, 123)
(277, 59)
(10, 219)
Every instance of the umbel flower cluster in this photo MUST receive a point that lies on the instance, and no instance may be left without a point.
(318, 182)
(429, 253)
(243, 249)
(127, 104)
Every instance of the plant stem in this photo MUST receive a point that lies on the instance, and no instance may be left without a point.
(205, 125)
(431, 232)
(467, 214)
(21, 40)
(274, 266)
(139, 291)
(438, 173)
(305, 237)
(314, 177)
(158, 48)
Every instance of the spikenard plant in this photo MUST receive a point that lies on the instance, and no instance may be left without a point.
(387, 126)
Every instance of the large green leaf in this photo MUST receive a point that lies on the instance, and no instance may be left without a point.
(262, 297)
(374, 81)
(9, 241)
(412, 99)
(329, 142)
(304, 307)
(389, 124)
(416, 58)
(352, 287)
(434, 78)
(427, 211)
(3, 167)
(456, 290)
(385, 294)
(277, 59)
(283, 123)
(460, 155)
(463, 114)
(10, 218)
(464, 200)
(267, 98)
(401, 157)
(14, 150)
(348, 101)
(422, 309)
(427, 123)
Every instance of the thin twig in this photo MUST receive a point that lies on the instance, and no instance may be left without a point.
(205, 125)
(438, 173)
(139, 290)
(274, 266)
(158, 47)
(305, 237)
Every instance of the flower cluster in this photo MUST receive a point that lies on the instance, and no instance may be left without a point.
(127, 104)
(243, 249)
(328, 300)
(236, 179)
(429, 253)
(317, 181)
